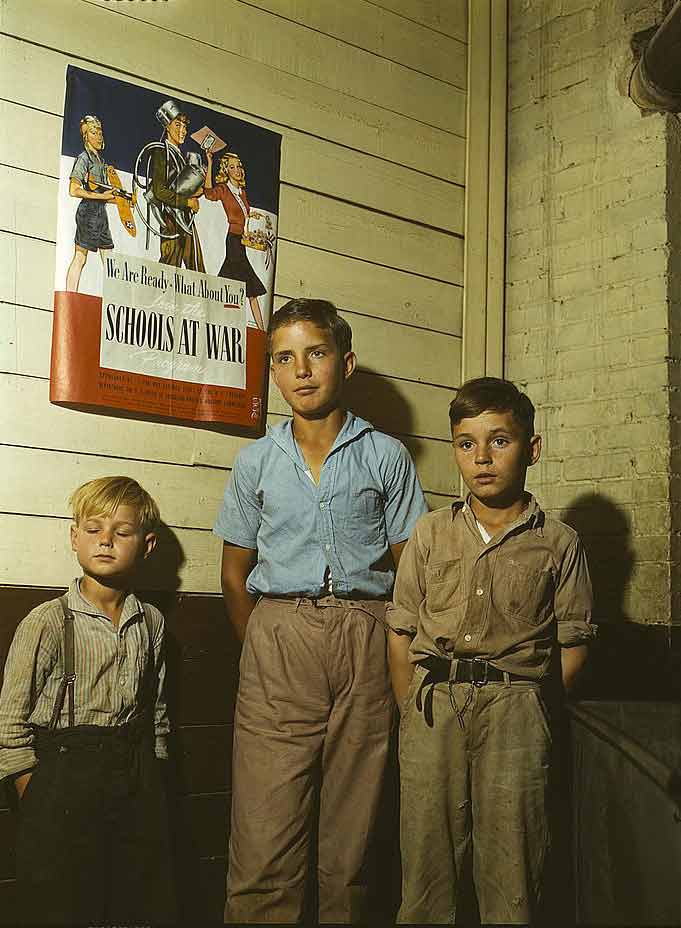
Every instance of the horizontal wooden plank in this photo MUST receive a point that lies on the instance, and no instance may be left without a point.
(35, 551)
(188, 497)
(366, 288)
(32, 140)
(28, 206)
(259, 38)
(345, 229)
(402, 351)
(302, 271)
(448, 16)
(28, 418)
(248, 88)
(394, 403)
(380, 31)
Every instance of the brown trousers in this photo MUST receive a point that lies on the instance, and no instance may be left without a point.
(312, 724)
(475, 793)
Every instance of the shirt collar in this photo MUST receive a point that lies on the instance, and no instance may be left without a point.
(532, 516)
(352, 428)
(131, 605)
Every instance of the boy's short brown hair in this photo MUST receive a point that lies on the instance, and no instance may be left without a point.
(483, 393)
(101, 497)
(321, 313)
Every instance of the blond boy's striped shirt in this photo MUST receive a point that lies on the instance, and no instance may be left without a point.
(115, 681)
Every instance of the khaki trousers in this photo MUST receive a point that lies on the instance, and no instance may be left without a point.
(478, 792)
(312, 724)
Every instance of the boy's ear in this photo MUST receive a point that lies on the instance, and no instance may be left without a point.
(149, 544)
(535, 449)
(72, 534)
(349, 364)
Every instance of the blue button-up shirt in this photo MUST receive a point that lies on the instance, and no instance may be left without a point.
(367, 499)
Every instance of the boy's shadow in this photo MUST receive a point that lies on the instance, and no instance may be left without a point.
(629, 659)
(378, 399)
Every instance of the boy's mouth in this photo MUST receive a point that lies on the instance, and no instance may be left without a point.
(305, 390)
(485, 478)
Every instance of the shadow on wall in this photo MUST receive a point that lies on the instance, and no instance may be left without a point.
(374, 397)
(629, 660)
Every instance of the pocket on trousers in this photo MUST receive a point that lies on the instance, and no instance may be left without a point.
(543, 713)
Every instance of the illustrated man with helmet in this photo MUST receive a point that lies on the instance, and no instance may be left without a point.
(175, 185)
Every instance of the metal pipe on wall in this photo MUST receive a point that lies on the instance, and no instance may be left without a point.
(655, 83)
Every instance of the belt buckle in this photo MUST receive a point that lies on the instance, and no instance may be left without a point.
(479, 680)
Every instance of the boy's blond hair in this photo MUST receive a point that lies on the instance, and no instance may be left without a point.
(101, 497)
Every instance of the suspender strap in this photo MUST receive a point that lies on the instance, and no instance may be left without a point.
(69, 677)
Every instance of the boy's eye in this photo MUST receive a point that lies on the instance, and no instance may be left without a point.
(501, 442)
(318, 353)
(465, 445)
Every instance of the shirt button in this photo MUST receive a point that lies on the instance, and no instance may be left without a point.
(328, 547)
(322, 505)
(467, 638)
(479, 591)
(122, 681)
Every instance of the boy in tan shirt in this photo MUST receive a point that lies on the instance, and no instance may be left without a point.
(485, 590)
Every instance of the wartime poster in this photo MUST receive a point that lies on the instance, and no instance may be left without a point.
(165, 256)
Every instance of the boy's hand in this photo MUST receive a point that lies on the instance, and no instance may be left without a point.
(401, 668)
(21, 782)
(572, 660)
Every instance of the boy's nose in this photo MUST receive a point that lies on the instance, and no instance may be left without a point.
(303, 368)
(482, 455)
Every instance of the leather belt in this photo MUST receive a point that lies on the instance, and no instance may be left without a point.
(468, 670)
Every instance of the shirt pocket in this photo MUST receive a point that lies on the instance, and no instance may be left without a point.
(444, 586)
(523, 591)
(366, 515)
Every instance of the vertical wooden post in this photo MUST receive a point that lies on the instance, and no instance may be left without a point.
(483, 301)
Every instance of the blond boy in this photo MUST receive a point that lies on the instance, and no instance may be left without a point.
(82, 721)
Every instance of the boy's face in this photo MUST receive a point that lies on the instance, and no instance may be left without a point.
(493, 453)
(108, 548)
(308, 369)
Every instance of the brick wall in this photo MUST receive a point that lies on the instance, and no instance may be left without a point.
(591, 327)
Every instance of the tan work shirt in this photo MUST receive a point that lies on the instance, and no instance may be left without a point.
(506, 601)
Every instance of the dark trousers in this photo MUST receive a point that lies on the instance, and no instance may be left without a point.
(93, 845)
(312, 725)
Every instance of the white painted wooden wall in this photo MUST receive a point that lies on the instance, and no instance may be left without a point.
(370, 97)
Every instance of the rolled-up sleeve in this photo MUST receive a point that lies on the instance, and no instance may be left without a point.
(405, 502)
(573, 600)
(30, 659)
(239, 518)
(410, 589)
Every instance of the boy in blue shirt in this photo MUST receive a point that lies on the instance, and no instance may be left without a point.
(314, 520)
